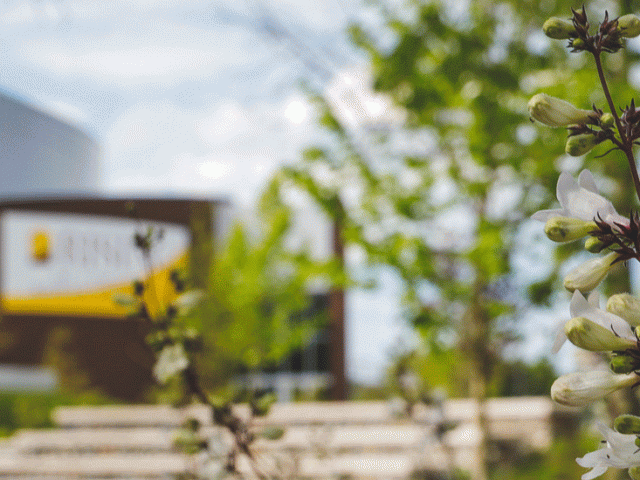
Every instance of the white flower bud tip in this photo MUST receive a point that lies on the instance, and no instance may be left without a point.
(555, 112)
(558, 29)
(625, 306)
(578, 145)
(629, 26)
(582, 388)
(588, 276)
(565, 229)
(590, 336)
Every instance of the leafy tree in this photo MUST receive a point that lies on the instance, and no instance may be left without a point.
(448, 218)
(258, 305)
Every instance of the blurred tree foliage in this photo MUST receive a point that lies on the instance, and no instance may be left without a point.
(448, 215)
(513, 378)
(258, 306)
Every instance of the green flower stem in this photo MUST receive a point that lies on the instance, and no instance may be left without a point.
(625, 145)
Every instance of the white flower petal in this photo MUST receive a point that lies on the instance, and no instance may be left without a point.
(560, 337)
(565, 185)
(594, 299)
(545, 215)
(595, 472)
(587, 205)
(586, 181)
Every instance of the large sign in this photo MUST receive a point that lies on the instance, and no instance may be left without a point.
(65, 264)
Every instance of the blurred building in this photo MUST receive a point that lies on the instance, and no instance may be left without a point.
(65, 251)
(40, 154)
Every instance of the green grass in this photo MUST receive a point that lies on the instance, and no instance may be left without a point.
(33, 410)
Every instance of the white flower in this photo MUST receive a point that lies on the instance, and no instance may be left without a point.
(580, 307)
(582, 388)
(556, 112)
(581, 200)
(172, 359)
(620, 451)
(587, 276)
(187, 301)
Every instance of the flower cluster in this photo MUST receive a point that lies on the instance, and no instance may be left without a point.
(614, 331)
(614, 238)
(584, 212)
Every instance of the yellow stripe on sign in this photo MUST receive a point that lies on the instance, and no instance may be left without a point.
(159, 292)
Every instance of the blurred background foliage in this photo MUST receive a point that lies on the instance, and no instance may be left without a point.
(258, 308)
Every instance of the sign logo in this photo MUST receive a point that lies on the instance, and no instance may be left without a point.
(40, 249)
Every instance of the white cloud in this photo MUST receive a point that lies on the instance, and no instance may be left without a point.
(152, 63)
(18, 14)
(148, 50)
(231, 151)
(325, 16)
(228, 121)
(147, 61)
(213, 169)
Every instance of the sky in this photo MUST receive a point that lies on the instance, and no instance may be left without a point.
(201, 98)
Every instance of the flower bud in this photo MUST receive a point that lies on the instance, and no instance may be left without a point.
(623, 364)
(627, 424)
(582, 388)
(577, 44)
(625, 306)
(593, 245)
(628, 26)
(606, 120)
(558, 29)
(565, 229)
(588, 276)
(580, 144)
(555, 112)
(590, 336)
(634, 472)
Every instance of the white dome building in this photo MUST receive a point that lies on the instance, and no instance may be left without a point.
(42, 155)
